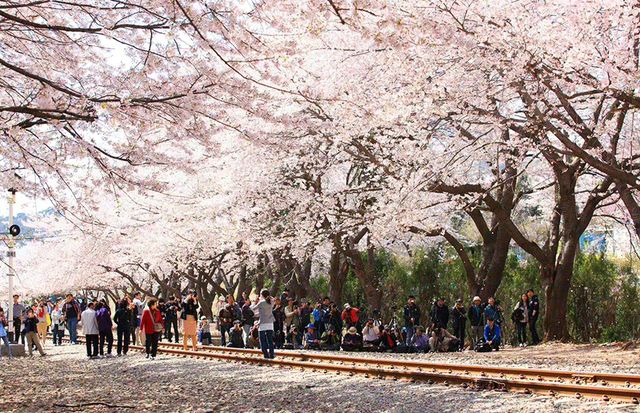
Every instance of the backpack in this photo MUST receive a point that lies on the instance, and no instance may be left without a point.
(483, 347)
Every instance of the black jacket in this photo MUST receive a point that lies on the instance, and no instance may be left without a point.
(411, 311)
(440, 316)
(30, 324)
(122, 318)
(459, 317)
(534, 308)
(247, 315)
(476, 316)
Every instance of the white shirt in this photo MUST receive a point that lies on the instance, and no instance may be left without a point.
(89, 322)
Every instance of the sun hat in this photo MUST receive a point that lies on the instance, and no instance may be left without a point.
(352, 330)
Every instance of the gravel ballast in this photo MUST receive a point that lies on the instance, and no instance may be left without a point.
(66, 381)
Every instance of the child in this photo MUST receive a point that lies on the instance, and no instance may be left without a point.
(236, 335)
(204, 331)
(31, 333)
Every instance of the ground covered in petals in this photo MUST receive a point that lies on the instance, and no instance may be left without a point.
(66, 381)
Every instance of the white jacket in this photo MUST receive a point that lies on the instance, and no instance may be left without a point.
(89, 322)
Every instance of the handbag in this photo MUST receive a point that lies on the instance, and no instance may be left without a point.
(157, 327)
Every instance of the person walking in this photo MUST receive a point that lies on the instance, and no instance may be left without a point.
(18, 316)
(57, 325)
(151, 325)
(122, 318)
(105, 327)
(264, 307)
(190, 322)
(90, 330)
(533, 312)
(411, 318)
(3, 334)
(31, 333)
(459, 316)
(71, 316)
(520, 317)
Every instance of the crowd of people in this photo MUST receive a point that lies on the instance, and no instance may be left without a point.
(282, 322)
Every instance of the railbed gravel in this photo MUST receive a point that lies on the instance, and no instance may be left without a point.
(65, 381)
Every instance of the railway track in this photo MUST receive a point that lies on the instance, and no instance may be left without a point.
(589, 385)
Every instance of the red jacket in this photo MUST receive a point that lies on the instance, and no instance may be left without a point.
(146, 323)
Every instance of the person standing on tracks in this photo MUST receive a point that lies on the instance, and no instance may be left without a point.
(264, 306)
(137, 301)
(122, 318)
(151, 325)
(31, 332)
(411, 318)
(105, 327)
(133, 326)
(459, 318)
(475, 314)
(90, 330)
(190, 322)
(171, 319)
(225, 322)
(72, 315)
(534, 311)
(248, 318)
(278, 323)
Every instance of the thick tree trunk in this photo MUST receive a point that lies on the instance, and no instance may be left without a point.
(366, 273)
(338, 270)
(492, 267)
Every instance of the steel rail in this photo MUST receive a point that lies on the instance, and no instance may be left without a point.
(414, 371)
(627, 380)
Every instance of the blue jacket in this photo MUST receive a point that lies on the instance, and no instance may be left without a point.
(492, 335)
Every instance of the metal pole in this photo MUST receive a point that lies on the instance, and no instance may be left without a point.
(11, 255)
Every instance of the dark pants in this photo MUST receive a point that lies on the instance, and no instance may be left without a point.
(459, 331)
(151, 344)
(123, 338)
(226, 328)
(133, 335)
(92, 344)
(266, 344)
(167, 329)
(534, 333)
(17, 324)
(521, 332)
(57, 335)
(108, 335)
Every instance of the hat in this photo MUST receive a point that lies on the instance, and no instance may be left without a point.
(203, 317)
(476, 298)
(352, 330)
(459, 301)
(310, 326)
(347, 306)
(236, 322)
